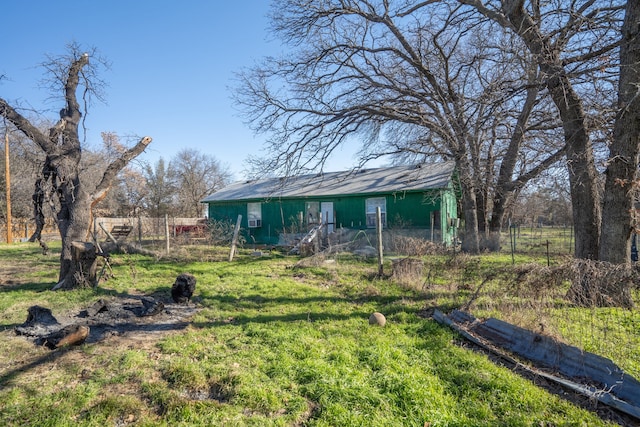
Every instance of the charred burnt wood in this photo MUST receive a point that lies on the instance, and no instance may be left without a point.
(151, 307)
(40, 321)
(183, 288)
(97, 307)
(67, 336)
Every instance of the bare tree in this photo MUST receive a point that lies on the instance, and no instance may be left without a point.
(409, 80)
(26, 164)
(160, 189)
(546, 201)
(60, 182)
(363, 67)
(195, 175)
(622, 167)
(569, 41)
(129, 193)
(129, 189)
(508, 182)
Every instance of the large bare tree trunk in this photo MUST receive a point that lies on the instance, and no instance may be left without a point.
(505, 187)
(60, 184)
(81, 268)
(617, 212)
(583, 175)
(579, 150)
(74, 221)
(471, 235)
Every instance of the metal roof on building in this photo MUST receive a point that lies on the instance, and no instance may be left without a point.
(362, 181)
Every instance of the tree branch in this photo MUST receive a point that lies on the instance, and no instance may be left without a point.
(25, 126)
(116, 166)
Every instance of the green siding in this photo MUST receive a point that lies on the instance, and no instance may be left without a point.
(404, 210)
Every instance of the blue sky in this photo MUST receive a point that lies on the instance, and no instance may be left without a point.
(172, 66)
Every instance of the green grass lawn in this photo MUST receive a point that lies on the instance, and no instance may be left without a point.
(275, 343)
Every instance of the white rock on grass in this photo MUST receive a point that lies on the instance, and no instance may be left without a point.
(377, 319)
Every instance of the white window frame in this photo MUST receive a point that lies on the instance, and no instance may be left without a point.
(370, 210)
(254, 215)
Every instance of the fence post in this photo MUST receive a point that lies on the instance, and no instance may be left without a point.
(234, 241)
(379, 233)
(433, 220)
(512, 240)
(166, 231)
(7, 175)
(548, 255)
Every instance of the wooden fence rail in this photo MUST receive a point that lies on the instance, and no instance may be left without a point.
(22, 228)
(140, 228)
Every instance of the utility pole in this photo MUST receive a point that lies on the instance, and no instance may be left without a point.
(7, 174)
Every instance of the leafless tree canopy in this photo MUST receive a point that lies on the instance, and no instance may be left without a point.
(505, 88)
(572, 44)
(195, 175)
(178, 187)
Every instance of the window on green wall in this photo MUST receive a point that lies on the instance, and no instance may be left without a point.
(254, 215)
(371, 205)
(313, 212)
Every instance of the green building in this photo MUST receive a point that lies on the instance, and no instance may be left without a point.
(418, 199)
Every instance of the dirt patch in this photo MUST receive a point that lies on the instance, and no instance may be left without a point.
(8, 275)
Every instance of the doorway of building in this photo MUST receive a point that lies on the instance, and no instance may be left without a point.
(326, 208)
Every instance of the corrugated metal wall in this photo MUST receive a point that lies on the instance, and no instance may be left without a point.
(404, 210)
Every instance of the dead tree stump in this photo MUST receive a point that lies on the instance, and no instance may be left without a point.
(84, 266)
(85, 262)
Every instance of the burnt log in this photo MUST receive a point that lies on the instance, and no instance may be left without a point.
(67, 336)
(97, 307)
(47, 331)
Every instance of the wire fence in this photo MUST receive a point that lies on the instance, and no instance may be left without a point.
(548, 242)
(587, 304)
(23, 228)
